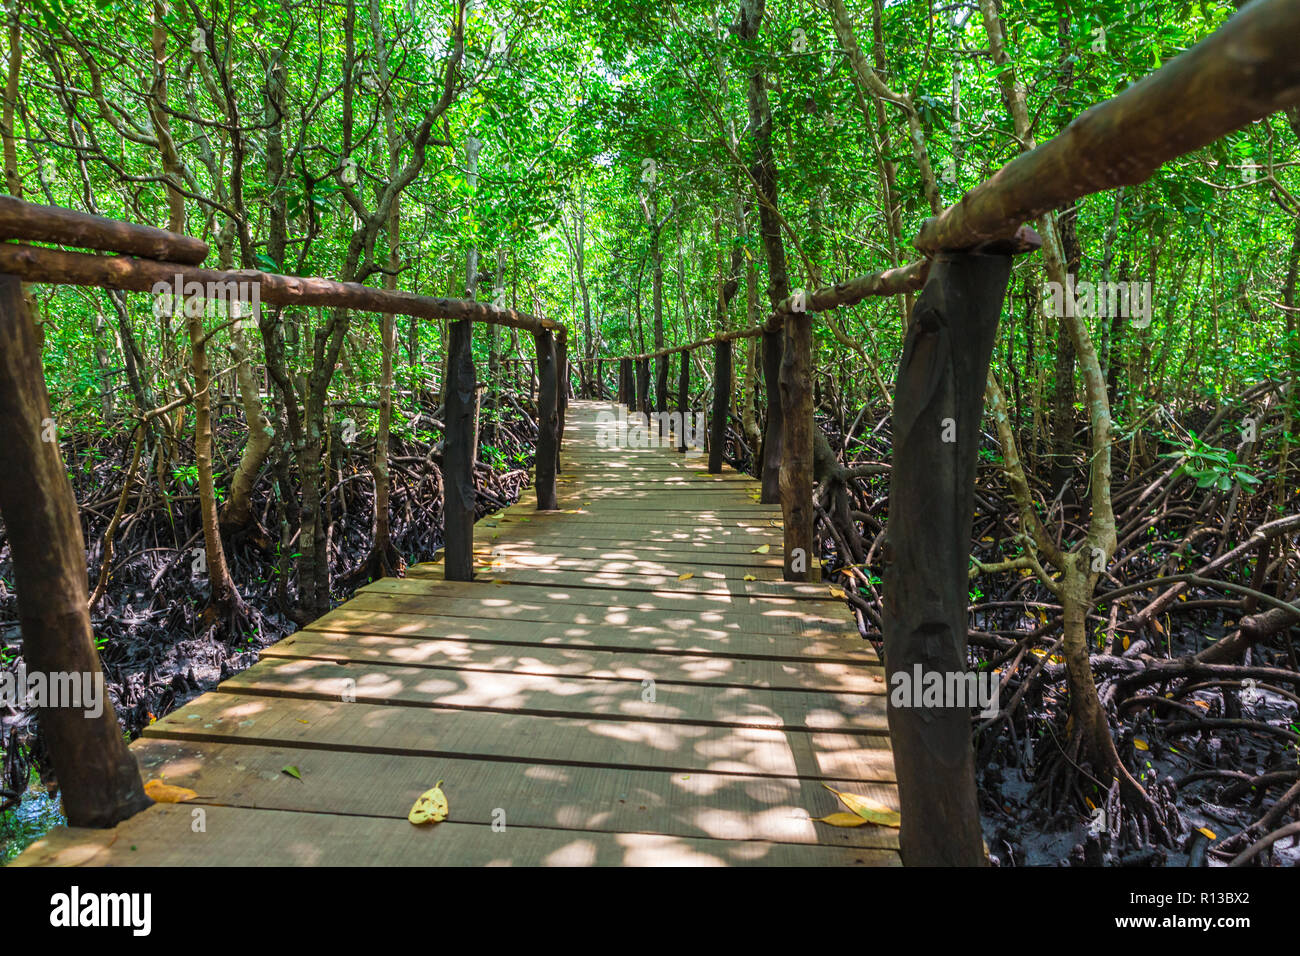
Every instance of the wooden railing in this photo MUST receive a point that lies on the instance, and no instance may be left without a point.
(100, 781)
(1245, 71)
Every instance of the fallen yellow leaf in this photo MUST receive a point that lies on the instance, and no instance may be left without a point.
(430, 805)
(762, 549)
(1140, 744)
(750, 577)
(837, 592)
(1207, 831)
(685, 577)
(868, 809)
(842, 820)
(161, 792)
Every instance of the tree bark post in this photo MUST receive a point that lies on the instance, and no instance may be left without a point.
(721, 403)
(97, 774)
(548, 419)
(683, 399)
(625, 382)
(458, 454)
(796, 470)
(938, 404)
(643, 386)
(561, 394)
(661, 391)
(770, 453)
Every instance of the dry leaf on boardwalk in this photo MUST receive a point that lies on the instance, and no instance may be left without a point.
(429, 806)
(868, 809)
(161, 792)
(842, 820)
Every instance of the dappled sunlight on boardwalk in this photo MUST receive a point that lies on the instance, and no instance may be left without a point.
(627, 681)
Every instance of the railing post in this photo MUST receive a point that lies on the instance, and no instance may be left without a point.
(770, 453)
(797, 447)
(683, 398)
(547, 420)
(661, 391)
(625, 397)
(97, 774)
(721, 403)
(939, 397)
(562, 392)
(643, 385)
(458, 454)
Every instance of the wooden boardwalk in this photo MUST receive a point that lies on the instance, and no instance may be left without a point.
(584, 701)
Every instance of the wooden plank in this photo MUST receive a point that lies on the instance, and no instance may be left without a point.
(609, 799)
(489, 561)
(718, 619)
(237, 837)
(679, 552)
(560, 695)
(656, 479)
(633, 664)
(726, 541)
(575, 587)
(737, 516)
(219, 717)
(658, 494)
(684, 554)
(826, 646)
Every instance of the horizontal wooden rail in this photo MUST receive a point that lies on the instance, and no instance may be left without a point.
(39, 264)
(908, 278)
(25, 220)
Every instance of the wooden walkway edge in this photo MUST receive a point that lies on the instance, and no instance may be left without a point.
(626, 682)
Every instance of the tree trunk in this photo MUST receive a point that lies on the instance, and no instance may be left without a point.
(721, 404)
(547, 421)
(223, 597)
(939, 395)
(98, 775)
(458, 455)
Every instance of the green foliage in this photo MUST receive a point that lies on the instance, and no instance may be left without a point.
(1212, 467)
